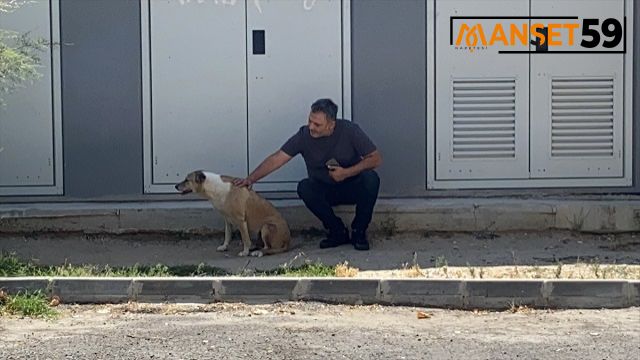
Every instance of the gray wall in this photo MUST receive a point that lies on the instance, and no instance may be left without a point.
(389, 87)
(101, 97)
(636, 97)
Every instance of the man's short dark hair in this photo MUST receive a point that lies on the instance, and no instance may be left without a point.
(326, 106)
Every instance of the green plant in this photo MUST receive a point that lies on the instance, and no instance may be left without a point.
(577, 220)
(33, 304)
(441, 261)
(10, 266)
(311, 269)
(595, 266)
(19, 55)
(558, 271)
(388, 226)
(472, 270)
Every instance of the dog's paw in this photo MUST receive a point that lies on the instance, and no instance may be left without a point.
(222, 248)
(243, 253)
(256, 253)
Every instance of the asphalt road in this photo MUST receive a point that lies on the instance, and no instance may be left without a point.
(319, 331)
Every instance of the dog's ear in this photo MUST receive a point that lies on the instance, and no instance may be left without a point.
(200, 177)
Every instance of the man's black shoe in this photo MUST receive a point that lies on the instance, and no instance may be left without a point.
(335, 238)
(359, 239)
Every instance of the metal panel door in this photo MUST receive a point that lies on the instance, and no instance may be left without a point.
(482, 98)
(198, 89)
(577, 112)
(30, 134)
(294, 57)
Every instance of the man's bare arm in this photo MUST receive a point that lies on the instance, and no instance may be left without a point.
(369, 161)
(272, 163)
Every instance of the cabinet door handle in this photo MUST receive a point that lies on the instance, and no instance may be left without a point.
(258, 42)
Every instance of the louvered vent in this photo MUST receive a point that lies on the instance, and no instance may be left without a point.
(582, 117)
(484, 114)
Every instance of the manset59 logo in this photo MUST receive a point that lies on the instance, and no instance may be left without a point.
(547, 34)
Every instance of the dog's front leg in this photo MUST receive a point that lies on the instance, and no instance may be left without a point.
(246, 239)
(227, 236)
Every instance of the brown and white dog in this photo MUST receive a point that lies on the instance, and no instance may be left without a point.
(243, 208)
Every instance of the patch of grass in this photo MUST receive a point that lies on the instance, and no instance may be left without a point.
(32, 304)
(11, 266)
(389, 226)
(308, 269)
(414, 269)
(558, 271)
(520, 309)
(344, 270)
(485, 235)
(441, 261)
(576, 222)
(595, 266)
(472, 271)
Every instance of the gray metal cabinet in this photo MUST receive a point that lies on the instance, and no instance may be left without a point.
(226, 83)
(197, 114)
(527, 118)
(578, 118)
(30, 123)
(483, 102)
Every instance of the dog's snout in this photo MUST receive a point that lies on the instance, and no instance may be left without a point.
(177, 187)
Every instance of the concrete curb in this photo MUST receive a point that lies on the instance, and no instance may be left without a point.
(454, 294)
(391, 215)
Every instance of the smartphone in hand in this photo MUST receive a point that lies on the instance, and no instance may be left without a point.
(331, 163)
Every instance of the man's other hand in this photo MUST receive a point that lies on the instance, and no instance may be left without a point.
(338, 173)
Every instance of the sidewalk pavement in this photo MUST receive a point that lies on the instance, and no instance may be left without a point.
(591, 214)
(464, 231)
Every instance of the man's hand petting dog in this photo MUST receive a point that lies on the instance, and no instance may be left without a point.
(243, 182)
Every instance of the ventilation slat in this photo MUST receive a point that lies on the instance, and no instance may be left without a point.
(590, 139)
(483, 134)
(483, 113)
(586, 105)
(603, 126)
(490, 94)
(583, 92)
(582, 119)
(582, 99)
(482, 141)
(483, 121)
(506, 108)
(481, 100)
(581, 112)
(581, 153)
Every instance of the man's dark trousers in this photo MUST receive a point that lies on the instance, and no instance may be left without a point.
(360, 190)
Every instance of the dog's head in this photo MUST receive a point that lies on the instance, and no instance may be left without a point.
(194, 182)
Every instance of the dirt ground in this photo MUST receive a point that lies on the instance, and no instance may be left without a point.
(319, 331)
(544, 253)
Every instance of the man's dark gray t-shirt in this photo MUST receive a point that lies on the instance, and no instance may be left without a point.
(347, 144)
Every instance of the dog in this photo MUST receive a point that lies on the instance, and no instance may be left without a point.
(243, 208)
